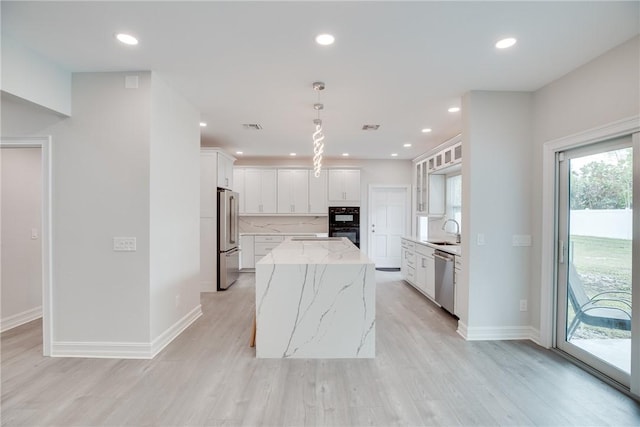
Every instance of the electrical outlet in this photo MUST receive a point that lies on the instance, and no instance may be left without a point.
(34, 234)
(124, 244)
(523, 305)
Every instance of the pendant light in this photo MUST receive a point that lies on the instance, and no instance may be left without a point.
(318, 134)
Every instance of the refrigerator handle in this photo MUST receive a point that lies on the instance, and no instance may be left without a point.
(232, 222)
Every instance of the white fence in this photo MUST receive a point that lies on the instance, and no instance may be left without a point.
(613, 223)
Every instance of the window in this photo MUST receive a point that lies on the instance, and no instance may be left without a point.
(453, 208)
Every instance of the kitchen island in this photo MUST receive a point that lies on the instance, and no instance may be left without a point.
(315, 298)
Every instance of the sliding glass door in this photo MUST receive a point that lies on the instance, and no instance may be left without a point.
(594, 256)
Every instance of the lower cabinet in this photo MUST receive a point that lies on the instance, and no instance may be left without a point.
(408, 261)
(418, 267)
(425, 270)
(254, 247)
(247, 259)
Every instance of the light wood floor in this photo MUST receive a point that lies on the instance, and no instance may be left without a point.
(424, 374)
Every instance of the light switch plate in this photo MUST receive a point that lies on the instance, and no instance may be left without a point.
(521, 240)
(124, 244)
(480, 239)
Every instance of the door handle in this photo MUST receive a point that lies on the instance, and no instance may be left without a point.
(561, 252)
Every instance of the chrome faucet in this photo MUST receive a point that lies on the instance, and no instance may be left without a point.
(457, 228)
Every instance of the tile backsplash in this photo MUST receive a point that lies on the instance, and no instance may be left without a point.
(283, 224)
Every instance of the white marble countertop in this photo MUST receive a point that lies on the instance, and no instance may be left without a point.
(276, 233)
(452, 249)
(316, 251)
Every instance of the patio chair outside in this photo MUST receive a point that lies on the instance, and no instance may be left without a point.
(610, 309)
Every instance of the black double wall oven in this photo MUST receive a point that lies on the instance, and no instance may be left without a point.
(344, 221)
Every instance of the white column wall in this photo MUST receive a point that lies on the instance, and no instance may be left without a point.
(174, 208)
(496, 202)
(21, 261)
(100, 191)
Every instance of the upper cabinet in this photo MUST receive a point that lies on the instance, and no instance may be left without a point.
(422, 175)
(238, 187)
(225, 171)
(293, 191)
(344, 185)
(259, 191)
(318, 193)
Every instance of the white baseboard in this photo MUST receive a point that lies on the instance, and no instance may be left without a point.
(173, 331)
(498, 333)
(125, 350)
(20, 318)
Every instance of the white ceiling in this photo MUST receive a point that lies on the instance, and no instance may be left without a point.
(396, 64)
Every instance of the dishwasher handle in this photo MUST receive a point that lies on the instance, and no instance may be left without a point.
(445, 257)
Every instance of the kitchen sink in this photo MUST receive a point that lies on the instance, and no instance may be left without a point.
(443, 243)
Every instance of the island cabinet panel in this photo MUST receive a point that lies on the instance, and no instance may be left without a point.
(344, 185)
(318, 193)
(315, 299)
(260, 191)
(293, 191)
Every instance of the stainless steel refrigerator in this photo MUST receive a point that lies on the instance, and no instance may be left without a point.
(228, 237)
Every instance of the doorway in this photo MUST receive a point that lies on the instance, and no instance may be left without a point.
(595, 236)
(388, 223)
(35, 152)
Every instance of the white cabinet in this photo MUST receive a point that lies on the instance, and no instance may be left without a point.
(260, 191)
(225, 171)
(422, 179)
(265, 244)
(452, 155)
(247, 252)
(318, 193)
(408, 261)
(238, 187)
(458, 288)
(344, 185)
(293, 191)
(425, 270)
(436, 194)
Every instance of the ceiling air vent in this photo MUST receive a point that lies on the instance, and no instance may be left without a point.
(252, 126)
(370, 127)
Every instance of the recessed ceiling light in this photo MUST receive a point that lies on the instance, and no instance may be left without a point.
(127, 39)
(407, 145)
(453, 109)
(240, 153)
(505, 43)
(345, 154)
(292, 154)
(426, 130)
(203, 125)
(394, 154)
(325, 39)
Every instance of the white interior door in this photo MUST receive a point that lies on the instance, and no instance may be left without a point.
(387, 224)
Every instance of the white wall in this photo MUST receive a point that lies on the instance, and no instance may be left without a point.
(21, 207)
(382, 172)
(174, 207)
(30, 76)
(602, 91)
(496, 167)
(101, 173)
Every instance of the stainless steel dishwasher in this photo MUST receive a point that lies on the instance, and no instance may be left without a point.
(444, 279)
